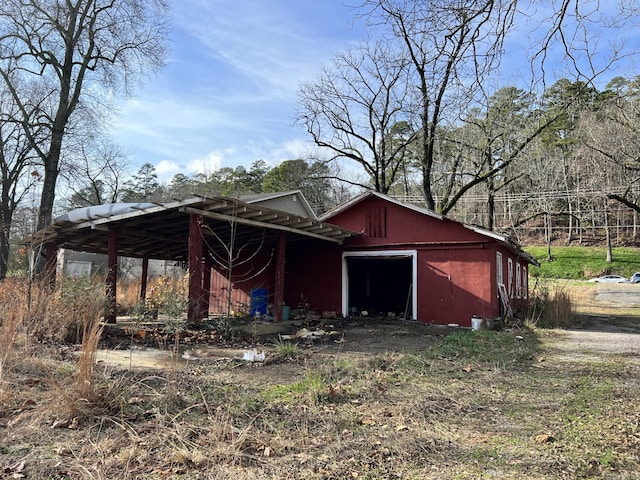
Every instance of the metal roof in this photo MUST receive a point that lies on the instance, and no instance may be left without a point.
(162, 230)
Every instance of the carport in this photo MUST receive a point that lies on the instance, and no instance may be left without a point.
(198, 230)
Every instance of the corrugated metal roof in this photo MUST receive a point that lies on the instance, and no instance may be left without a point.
(161, 230)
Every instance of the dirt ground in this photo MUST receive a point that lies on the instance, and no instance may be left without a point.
(143, 347)
(607, 323)
(363, 401)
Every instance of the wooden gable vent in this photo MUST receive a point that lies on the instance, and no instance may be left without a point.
(376, 222)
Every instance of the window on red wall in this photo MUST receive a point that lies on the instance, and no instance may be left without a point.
(510, 276)
(376, 222)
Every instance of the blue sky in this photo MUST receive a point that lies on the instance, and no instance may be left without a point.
(227, 95)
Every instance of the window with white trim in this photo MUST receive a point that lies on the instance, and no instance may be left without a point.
(510, 274)
(518, 280)
(525, 282)
(499, 277)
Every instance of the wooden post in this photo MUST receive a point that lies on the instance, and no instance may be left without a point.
(51, 252)
(143, 279)
(112, 274)
(195, 268)
(206, 285)
(278, 296)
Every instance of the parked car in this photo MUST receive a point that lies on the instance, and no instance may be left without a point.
(635, 278)
(610, 279)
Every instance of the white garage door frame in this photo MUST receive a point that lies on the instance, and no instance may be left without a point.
(413, 254)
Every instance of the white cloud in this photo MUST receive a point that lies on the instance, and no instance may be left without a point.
(207, 164)
(165, 169)
(228, 93)
(271, 44)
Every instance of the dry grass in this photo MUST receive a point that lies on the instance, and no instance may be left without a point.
(472, 405)
(551, 306)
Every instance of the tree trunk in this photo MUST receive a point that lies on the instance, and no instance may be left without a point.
(609, 259)
(491, 205)
(547, 225)
(5, 220)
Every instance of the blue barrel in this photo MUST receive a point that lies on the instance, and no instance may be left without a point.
(259, 301)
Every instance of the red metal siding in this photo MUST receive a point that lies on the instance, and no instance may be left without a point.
(314, 274)
(518, 303)
(456, 267)
(402, 225)
(453, 285)
(247, 274)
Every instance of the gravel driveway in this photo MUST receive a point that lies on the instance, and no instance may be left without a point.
(603, 336)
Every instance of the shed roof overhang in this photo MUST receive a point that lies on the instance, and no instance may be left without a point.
(161, 231)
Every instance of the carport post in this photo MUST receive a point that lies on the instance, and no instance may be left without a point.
(206, 285)
(278, 299)
(112, 274)
(195, 268)
(51, 252)
(143, 279)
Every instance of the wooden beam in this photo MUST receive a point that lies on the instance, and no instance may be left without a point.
(245, 221)
(143, 278)
(112, 274)
(51, 261)
(206, 285)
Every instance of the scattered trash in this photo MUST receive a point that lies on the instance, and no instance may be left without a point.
(253, 356)
(305, 333)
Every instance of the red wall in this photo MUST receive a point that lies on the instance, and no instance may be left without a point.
(314, 274)
(454, 285)
(456, 266)
(247, 274)
(403, 225)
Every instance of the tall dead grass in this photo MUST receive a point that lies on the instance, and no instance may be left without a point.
(167, 295)
(13, 314)
(551, 307)
(36, 318)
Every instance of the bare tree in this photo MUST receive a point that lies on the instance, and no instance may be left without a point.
(455, 47)
(353, 108)
(74, 50)
(16, 158)
(451, 47)
(611, 138)
(95, 176)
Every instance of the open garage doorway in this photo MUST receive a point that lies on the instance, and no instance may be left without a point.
(380, 283)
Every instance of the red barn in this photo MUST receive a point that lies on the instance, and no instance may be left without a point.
(372, 254)
(403, 261)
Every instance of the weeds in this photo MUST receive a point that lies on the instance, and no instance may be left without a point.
(285, 349)
(550, 308)
(471, 405)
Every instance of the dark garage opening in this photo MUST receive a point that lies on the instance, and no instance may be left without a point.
(380, 285)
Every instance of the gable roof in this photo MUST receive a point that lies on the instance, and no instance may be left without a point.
(292, 201)
(370, 193)
(502, 239)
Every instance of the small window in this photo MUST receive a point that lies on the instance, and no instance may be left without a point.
(376, 222)
(499, 278)
(525, 282)
(518, 280)
(510, 273)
